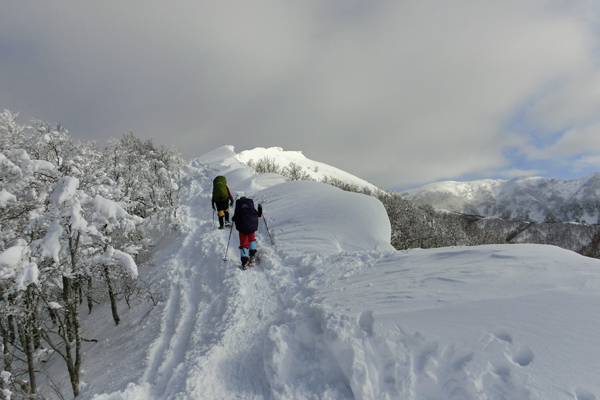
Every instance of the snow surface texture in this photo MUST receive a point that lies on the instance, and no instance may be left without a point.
(533, 199)
(333, 312)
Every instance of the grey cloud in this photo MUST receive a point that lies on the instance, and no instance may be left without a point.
(399, 93)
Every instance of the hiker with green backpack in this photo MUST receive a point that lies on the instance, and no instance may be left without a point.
(222, 199)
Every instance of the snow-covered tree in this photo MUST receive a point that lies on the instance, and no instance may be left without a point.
(67, 230)
(77, 242)
(145, 178)
(146, 175)
(24, 187)
(11, 133)
(19, 315)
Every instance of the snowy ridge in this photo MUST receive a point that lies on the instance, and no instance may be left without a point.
(315, 169)
(534, 199)
(333, 312)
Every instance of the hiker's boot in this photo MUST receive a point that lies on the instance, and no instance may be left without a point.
(227, 223)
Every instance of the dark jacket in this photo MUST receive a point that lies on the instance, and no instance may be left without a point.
(246, 216)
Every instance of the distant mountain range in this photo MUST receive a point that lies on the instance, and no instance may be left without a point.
(532, 199)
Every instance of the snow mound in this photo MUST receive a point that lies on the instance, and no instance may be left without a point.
(259, 182)
(217, 156)
(310, 217)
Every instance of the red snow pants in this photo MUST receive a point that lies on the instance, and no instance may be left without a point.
(245, 240)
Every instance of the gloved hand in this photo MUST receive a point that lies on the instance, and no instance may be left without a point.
(231, 203)
(213, 205)
(260, 208)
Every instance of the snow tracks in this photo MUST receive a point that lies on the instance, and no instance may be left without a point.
(210, 343)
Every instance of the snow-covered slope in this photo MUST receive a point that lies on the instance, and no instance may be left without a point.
(316, 170)
(333, 312)
(534, 199)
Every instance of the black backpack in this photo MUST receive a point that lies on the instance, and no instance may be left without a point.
(246, 218)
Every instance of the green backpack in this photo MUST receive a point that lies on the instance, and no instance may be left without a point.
(220, 189)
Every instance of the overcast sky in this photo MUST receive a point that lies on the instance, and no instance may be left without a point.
(401, 93)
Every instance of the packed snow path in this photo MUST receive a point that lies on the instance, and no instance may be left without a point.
(216, 317)
(333, 312)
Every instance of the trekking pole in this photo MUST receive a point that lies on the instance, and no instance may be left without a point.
(213, 217)
(267, 226)
(227, 251)
(230, 230)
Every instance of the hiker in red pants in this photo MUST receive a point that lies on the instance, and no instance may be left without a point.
(246, 222)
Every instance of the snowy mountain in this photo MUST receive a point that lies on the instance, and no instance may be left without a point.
(334, 312)
(533, 199)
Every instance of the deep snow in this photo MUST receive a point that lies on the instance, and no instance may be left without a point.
(333, 312)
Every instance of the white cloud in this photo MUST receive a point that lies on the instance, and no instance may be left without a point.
(517, 173)
(586, 162)
(577, 140)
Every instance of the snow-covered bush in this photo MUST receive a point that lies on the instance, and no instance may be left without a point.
(294, 172)
(265, 165)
